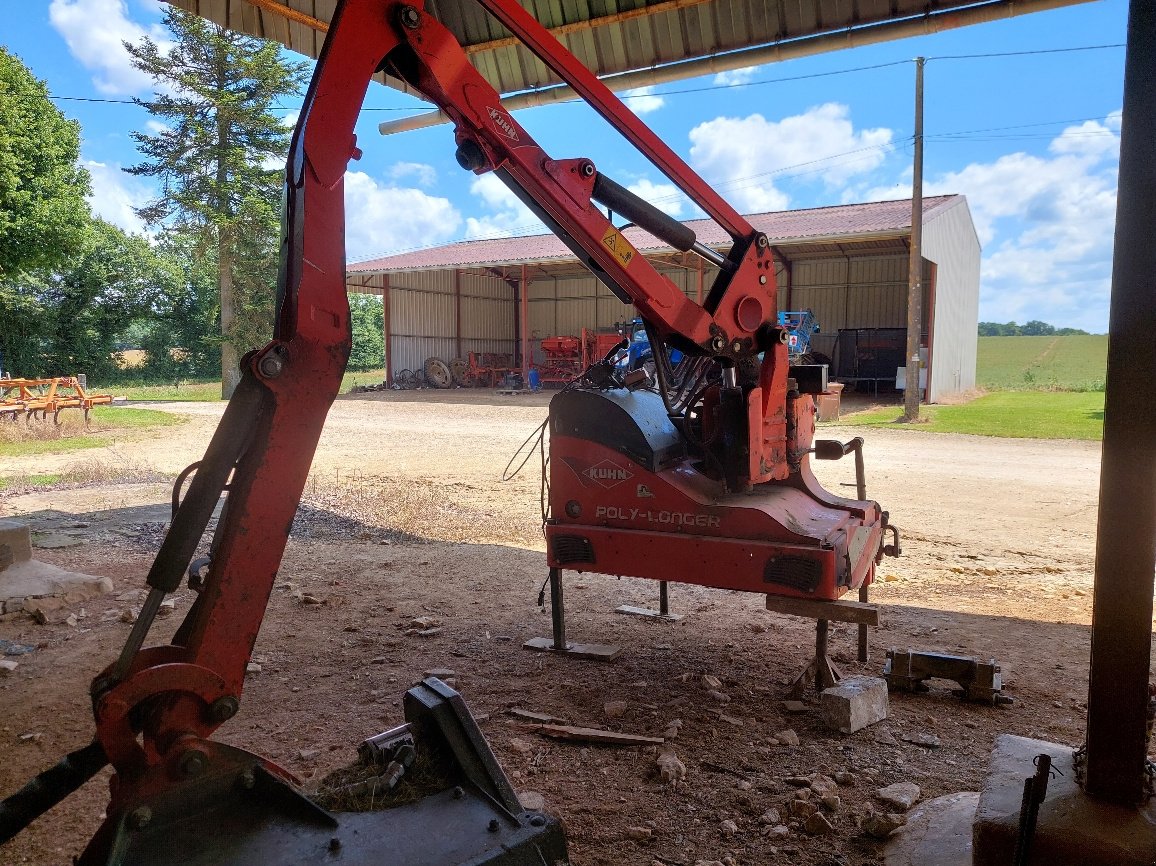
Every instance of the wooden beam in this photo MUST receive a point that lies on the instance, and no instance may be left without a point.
(593, 735)
(288, 12)
(840, 611)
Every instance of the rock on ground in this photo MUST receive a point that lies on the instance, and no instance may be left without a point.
(901, 795)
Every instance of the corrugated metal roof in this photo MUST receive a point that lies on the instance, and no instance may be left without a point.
(839, 223)
(609, 36)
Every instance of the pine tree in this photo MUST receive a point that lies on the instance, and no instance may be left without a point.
(218, 157)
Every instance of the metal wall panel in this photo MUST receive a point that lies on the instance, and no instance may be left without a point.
(421, 313)
(410, 353)
(486, 286)
(949, 240)
(487, 319)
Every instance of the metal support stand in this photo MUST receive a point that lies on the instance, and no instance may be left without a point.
(559, 644)
(663, 611)
(863, 648)
(820, 670)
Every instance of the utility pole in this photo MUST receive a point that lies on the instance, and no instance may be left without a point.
(913, 394)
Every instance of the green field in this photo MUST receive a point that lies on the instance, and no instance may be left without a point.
(1009, 414)
(1075, 363)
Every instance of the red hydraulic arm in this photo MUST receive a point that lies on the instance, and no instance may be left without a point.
(156, 707)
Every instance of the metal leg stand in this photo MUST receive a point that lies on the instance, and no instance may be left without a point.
(663, 611)
(863, 653)
(820, 670)
(558, 611)
(558, 643)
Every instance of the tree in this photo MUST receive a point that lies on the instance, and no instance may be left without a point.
(215, 158)
(43, 211)
(367, 317)
(70, 319)
(1036, 328)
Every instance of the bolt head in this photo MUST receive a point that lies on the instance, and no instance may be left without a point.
(588, 169)
(271, 366)
(410, 17)
(223, 709)
(192, 763)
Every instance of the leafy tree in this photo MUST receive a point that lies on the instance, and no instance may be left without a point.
(368, 320)
(180, 336)
(1036, 328)
(216, 158)
(43, 212)
(73, 317)
(1033, 328)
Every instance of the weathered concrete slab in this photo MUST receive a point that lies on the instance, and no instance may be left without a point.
(33, 579)
(854, 703)
(937, 831)
(1072, 828)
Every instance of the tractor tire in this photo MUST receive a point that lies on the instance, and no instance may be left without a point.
(459, 372)
(437, 373)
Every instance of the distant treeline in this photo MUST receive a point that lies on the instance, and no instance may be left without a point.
(1033, 328)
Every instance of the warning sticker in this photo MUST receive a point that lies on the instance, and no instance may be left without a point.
(617, 244)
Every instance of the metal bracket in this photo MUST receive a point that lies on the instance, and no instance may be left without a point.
(978, 681)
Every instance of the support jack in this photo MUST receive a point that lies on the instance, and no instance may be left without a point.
(663, 611)
(558, 643)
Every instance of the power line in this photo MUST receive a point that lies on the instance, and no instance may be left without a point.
(1029, 52)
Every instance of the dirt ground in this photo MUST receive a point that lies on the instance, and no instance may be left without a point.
(406, 516)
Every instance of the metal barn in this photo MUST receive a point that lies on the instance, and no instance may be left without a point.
(848, 264)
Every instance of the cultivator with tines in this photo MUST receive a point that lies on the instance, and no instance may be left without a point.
(34, 398)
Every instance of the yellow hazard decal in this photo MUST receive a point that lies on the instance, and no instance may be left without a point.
(617, 244)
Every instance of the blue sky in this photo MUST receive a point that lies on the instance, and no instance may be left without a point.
(1031, 140)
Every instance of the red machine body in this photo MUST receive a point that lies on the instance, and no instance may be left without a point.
(638, 505)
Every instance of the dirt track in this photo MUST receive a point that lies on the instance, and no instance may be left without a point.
(998, 544)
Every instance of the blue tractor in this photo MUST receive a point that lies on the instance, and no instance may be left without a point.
(800, 325)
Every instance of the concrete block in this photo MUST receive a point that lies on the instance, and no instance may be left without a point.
(937, 831)
(15, 543)
(1072, 827)
(854, 703)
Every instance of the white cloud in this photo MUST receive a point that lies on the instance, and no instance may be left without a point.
(381, 219)
(642, 100)
(115, 194)
(507, 217)
(156, 127)
(290, 118)
(425, 175)
(94, 31)
(736, 76)
(1046, 224)
(747, 157)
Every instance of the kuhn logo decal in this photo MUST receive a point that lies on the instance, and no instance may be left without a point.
(503, 122)
(608, 473)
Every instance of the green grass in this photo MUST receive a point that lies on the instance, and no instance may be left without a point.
(1076, 363)
(1010, 414)
(24, 481)
(208, 391)
(43, 437)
